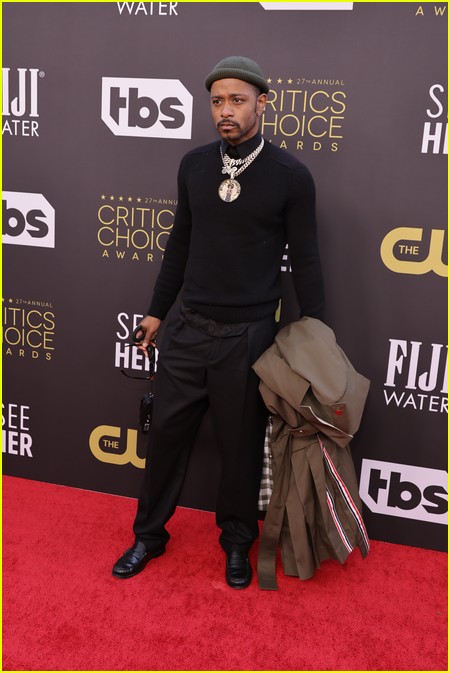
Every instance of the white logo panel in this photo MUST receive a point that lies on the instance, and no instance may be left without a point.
(406, 491)
(149, 108)
(28, 219)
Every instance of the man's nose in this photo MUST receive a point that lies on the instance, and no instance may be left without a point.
(226, 111)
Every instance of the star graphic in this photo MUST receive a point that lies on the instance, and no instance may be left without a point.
(138, 199)
(130, 199)
(120, 198)
(279, 80)
(289, 81)
(103, 197)
(111, 198)
(269, 80)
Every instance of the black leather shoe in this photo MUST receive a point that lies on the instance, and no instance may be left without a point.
(238, 570)
(135, 559)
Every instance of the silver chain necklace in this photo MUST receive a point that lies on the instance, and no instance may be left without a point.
(230, 188)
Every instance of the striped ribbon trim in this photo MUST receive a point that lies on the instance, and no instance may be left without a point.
(337, 522)
(347, 499)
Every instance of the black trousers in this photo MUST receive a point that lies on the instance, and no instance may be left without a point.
(197, 371)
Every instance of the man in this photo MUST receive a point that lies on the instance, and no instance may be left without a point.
(240, 200)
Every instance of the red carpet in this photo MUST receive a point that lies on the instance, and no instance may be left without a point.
(62, 609)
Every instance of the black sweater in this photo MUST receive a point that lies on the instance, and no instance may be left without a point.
(226, 256)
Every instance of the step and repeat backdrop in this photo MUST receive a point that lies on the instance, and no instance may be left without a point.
(100, 102)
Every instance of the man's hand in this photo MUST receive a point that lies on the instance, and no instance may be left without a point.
(149, 328)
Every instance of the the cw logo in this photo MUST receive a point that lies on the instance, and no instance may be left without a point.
(399, 240)
(104, 438)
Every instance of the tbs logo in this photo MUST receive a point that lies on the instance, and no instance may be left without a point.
(150, 108)
(28, 219)
(404, 490)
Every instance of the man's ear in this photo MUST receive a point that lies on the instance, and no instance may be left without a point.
(261, 103)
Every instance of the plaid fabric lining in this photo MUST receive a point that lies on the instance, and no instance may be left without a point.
(266, 487)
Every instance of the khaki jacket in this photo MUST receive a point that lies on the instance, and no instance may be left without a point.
(316, 399)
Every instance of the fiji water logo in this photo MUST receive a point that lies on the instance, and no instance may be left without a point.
(20, 87)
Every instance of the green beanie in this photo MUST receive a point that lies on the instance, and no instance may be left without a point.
(238, 67)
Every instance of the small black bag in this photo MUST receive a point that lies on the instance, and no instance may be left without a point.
(145, 412)
(146, 404)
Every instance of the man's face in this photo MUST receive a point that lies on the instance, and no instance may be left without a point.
(236, 107)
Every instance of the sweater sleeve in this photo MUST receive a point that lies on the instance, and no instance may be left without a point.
(171, 275)
(301, 232)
